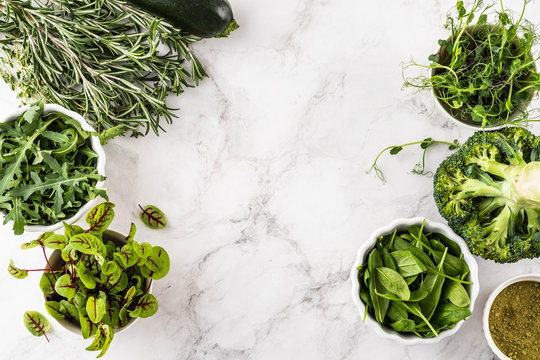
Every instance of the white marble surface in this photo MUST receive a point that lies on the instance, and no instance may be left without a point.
(263, 179)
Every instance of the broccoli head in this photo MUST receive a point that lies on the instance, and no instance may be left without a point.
(489, 192)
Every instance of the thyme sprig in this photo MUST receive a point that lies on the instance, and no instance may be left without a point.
(111, 62)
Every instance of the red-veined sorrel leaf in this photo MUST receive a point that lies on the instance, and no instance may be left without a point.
(100, 217)
(152, 217)
(111, 315)
(87, 278)
(65, 287)
(71, 230)
(120, 285)
(103, 339)
(55, 309)
(16, 272)
(148, 306)
(56, 241)
(109, 267)
(88, 328)
(85, 243)
(30, 244)
(164, 258)
(71, 310)
(36, 323)
(47, 282)
(127, 256)
(69, 253)
(131, 234)
(95, 308)
(143, 250)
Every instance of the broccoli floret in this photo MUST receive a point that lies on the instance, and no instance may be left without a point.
(489, 191)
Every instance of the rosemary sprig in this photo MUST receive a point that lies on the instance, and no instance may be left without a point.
(111, 62)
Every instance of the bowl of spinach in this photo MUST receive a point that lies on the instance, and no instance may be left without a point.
(52, 168)
(414, 281)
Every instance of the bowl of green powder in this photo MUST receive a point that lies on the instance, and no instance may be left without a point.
(511, 318)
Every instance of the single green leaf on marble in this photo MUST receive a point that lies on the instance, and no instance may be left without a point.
(85, 243)
(16, 272)
(95, 308)
(36, 323)
(65, 287)
(152, 217)
(55, 309)
(56, 241)
(100, 217)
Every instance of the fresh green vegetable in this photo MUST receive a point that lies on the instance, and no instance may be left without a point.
(47, 168)
(107, 60)
(98, 282)
(152, 217)
(432, 300)
(419, 168)
(36, 323)
(489, 192)
(484, 72)
(203, 18)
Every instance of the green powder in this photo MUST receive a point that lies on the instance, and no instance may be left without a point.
(514, 321)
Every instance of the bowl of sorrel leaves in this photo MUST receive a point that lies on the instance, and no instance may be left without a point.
(484, 74)
(511, 318)
(414, 281)
(52, 169)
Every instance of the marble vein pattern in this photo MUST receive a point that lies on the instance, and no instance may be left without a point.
(263, 179)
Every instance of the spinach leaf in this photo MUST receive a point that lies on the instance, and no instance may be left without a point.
(404, 325)
(407, 263)
(449, 314)
(456, 293)
(380, 305)
(393, 282)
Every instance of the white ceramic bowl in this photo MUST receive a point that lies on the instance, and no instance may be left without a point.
(96, 146)
(402, 225)
(489, 302)
(56, 259)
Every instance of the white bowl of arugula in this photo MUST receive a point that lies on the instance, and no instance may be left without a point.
(425, 283)
(53, 168)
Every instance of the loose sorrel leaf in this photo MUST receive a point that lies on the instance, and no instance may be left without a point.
(16, 272)
(36, 323)
(100, 217)
(152, 217)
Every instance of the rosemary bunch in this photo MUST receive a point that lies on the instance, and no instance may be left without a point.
(111, 62)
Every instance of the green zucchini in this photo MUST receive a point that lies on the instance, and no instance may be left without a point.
(203, 18)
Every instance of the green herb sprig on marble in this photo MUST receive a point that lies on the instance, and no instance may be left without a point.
(415, 282)
(47, 168)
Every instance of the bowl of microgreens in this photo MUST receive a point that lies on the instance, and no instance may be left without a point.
(53, 168)
(484, 74)
(414, 281)
(96, 282)
(511, 319)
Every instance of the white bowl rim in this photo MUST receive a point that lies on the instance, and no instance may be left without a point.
(74, 329)
(489, 303)
(431, 226)
(100, 165)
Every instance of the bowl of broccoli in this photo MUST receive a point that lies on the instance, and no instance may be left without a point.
(489, 192)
